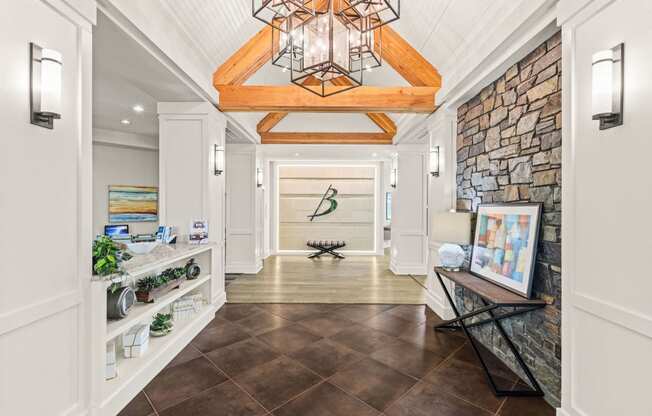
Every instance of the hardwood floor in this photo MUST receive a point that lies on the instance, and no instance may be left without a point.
(296, 279)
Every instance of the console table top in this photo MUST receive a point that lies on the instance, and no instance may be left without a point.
(488, 291)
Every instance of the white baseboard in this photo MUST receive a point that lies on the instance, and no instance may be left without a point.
(562, 412)
(219, 300)
(442, 310)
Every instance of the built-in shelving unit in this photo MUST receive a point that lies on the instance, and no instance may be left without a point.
(110, 396)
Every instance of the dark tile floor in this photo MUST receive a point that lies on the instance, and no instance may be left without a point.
(328, 360)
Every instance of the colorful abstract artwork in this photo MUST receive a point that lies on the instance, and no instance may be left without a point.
(133, 203)
(505, 244)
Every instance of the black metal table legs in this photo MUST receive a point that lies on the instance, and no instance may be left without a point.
(458, 323)
(326, 248)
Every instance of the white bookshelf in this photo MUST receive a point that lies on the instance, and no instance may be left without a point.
(110, 396)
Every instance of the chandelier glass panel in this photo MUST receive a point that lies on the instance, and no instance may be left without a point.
(326, 45)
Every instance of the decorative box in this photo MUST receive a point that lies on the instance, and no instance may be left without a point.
(111, 370)
(136, 341)
(186, 307)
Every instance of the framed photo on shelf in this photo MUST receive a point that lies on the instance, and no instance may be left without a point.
(505, 245)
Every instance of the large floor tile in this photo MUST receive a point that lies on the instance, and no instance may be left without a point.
(360, 313)
(427, 400)
(326, 357)
(179, 383)
(242, 356)
(326, 325)
(364, 339)
(298, 311)
(526, 406)
(468, 382)
(219, 334)
(276, 382)
(372, 382)
(289, 339)
(389, 324)
(263, 322)
(441, 343)
(325, 400)
(414, 313)
(187, 354)
(408, 358)
(139, 406)
(223, 400)
(236, 311)
(496, 366)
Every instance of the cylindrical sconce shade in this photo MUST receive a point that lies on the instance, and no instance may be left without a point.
(259, 177)
(51, 82)
(218, 160)
(393, 178)
(603, 83)
(434, 161)
(607, 87)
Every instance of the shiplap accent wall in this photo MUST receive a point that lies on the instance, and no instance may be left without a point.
(300, 191)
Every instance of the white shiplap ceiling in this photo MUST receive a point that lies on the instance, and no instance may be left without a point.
(439, 29)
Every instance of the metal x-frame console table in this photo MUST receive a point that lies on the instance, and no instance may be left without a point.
(492, 297)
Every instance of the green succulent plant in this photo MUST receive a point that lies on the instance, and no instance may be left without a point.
(162, 322)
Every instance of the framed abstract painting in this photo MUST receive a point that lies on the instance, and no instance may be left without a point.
(133, 203)
(505, 245)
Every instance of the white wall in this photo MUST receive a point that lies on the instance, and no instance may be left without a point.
(607, 313)
(441, 197)
(188, 188)
(243, 212)
(119, 165)
(409, 251)
(45, 200)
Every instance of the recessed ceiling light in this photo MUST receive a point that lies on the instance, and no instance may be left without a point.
(125, 121)
(139, 108)
(374, 155)
(297, 154)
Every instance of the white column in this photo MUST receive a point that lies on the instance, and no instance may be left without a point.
(188, 187)
(441, 197)
(606, 308)
(409, 203)
(243, 214)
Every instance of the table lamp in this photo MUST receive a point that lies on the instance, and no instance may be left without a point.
(453, 229)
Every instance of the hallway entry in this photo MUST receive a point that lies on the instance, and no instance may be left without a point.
(296, 279)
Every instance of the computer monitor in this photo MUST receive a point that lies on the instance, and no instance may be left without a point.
(116, 230)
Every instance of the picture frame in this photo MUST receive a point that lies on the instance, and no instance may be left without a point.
(505, 245)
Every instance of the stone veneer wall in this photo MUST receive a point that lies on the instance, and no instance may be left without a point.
(509, 150)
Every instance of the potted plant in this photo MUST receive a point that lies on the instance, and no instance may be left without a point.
(107, 256)
(161, 325)
(149, 288)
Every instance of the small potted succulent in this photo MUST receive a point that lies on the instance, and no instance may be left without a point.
(161, 325)
(149, 288)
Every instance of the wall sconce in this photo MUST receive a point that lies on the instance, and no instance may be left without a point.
(607, 83)
(45, 86)
(434, 161)
(393, 178)
(259, 177)
(218, 160)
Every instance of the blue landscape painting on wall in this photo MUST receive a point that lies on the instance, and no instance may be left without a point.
(133, 203)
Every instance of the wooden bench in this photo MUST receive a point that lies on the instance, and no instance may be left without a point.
(326, 247)
(492, 297)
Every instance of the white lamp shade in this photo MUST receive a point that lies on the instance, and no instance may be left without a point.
(51, 82)
(452, 227)
(603, 83)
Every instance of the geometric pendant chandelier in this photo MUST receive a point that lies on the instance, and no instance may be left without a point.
(326, 45)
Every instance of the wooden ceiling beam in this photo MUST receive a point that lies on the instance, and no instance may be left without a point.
(406, 60)
(269, 121)
(252, 56)
(383, 121)
(291, 98)
(326, 138)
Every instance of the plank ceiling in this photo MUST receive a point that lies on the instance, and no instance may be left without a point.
(439, 29)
